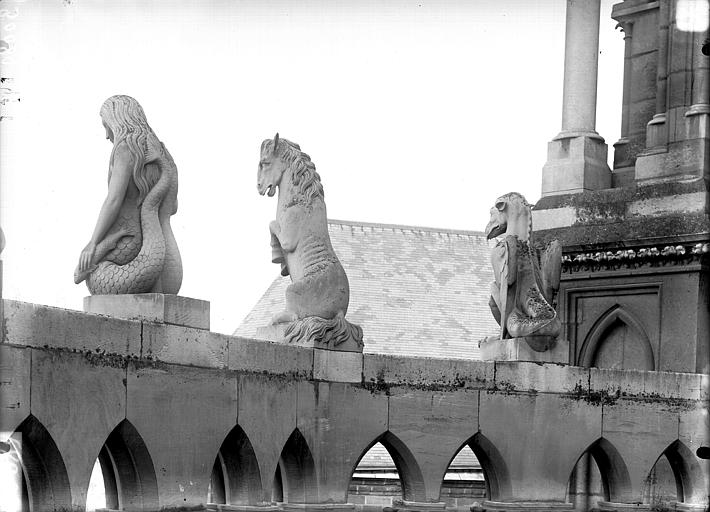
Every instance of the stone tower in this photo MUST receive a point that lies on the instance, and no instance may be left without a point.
(635, 285)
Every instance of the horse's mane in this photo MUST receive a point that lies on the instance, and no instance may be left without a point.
(127, 121)
(304, 177)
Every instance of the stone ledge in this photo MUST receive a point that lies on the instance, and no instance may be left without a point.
(267, 357)
(316, 507)
(542, 506)
(218, 507)
(543, 378)
(417, 506)
(427, 372)
(43, 327)
(183, 345)
(152, 307)
(333, 366)
(36, 325)
(647, 385)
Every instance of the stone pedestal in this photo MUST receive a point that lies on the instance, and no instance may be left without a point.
(524, 349)
(152, 307)
(417, 506)
(575, 164)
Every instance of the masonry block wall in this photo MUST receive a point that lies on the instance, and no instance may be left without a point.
(165, 407)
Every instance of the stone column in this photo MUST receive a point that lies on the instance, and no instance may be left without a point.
(579, 97)
(657, 130)
(623, 159)
(701, 78)
(576, 158)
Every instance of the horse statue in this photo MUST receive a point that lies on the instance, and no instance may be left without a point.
(132, 249)
(526, 280)
(317, 298)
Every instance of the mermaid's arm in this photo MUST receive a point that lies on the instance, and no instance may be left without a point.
(117, 186)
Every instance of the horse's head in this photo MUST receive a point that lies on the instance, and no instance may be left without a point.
(271, 167)
(512, 208)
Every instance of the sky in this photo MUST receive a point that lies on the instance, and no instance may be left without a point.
(414, 112)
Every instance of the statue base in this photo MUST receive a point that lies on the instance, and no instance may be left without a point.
(152, 307)
(276, 333)
(539, 349)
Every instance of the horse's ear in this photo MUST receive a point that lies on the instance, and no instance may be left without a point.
(276, 143)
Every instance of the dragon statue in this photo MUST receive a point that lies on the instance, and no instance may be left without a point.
(133, 249)
(526, 280)
(317, 298)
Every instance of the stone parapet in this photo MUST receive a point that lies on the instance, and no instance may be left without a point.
(417, 506)
(104, 340)
(183, 409)
(541, 506)
(219, 507)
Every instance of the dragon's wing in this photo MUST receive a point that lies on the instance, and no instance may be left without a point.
(550, 269)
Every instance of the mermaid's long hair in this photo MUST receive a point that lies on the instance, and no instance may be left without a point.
(126, 119)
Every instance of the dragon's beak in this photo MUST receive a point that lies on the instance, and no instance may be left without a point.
(494, 229)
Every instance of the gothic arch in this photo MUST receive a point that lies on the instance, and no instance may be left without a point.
(615, 317)
(44, 479)
(410, 474)
(296, 471)
(236, 478)
(495, 471)
(689, 481)
(615, 477)
(127, 469)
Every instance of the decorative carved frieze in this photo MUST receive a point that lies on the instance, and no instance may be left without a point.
(653, 256)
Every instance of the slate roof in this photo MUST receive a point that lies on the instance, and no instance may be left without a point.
(415, 291)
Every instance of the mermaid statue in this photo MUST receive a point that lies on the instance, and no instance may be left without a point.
(132, 249)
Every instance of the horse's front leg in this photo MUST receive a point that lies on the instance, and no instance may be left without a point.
(289, 232)
(277, 255)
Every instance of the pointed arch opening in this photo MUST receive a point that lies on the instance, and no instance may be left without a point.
(675, 477)
(464, 482)
(297, 472)
(385, 471)
(617, 340)
(235, 479)
(38, 470)
(475, 472)
(495, 471)
(124, 476)
(600, 474)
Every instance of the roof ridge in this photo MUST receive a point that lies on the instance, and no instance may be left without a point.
(405, 227)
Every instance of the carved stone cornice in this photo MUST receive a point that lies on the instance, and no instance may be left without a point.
(653, 256)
